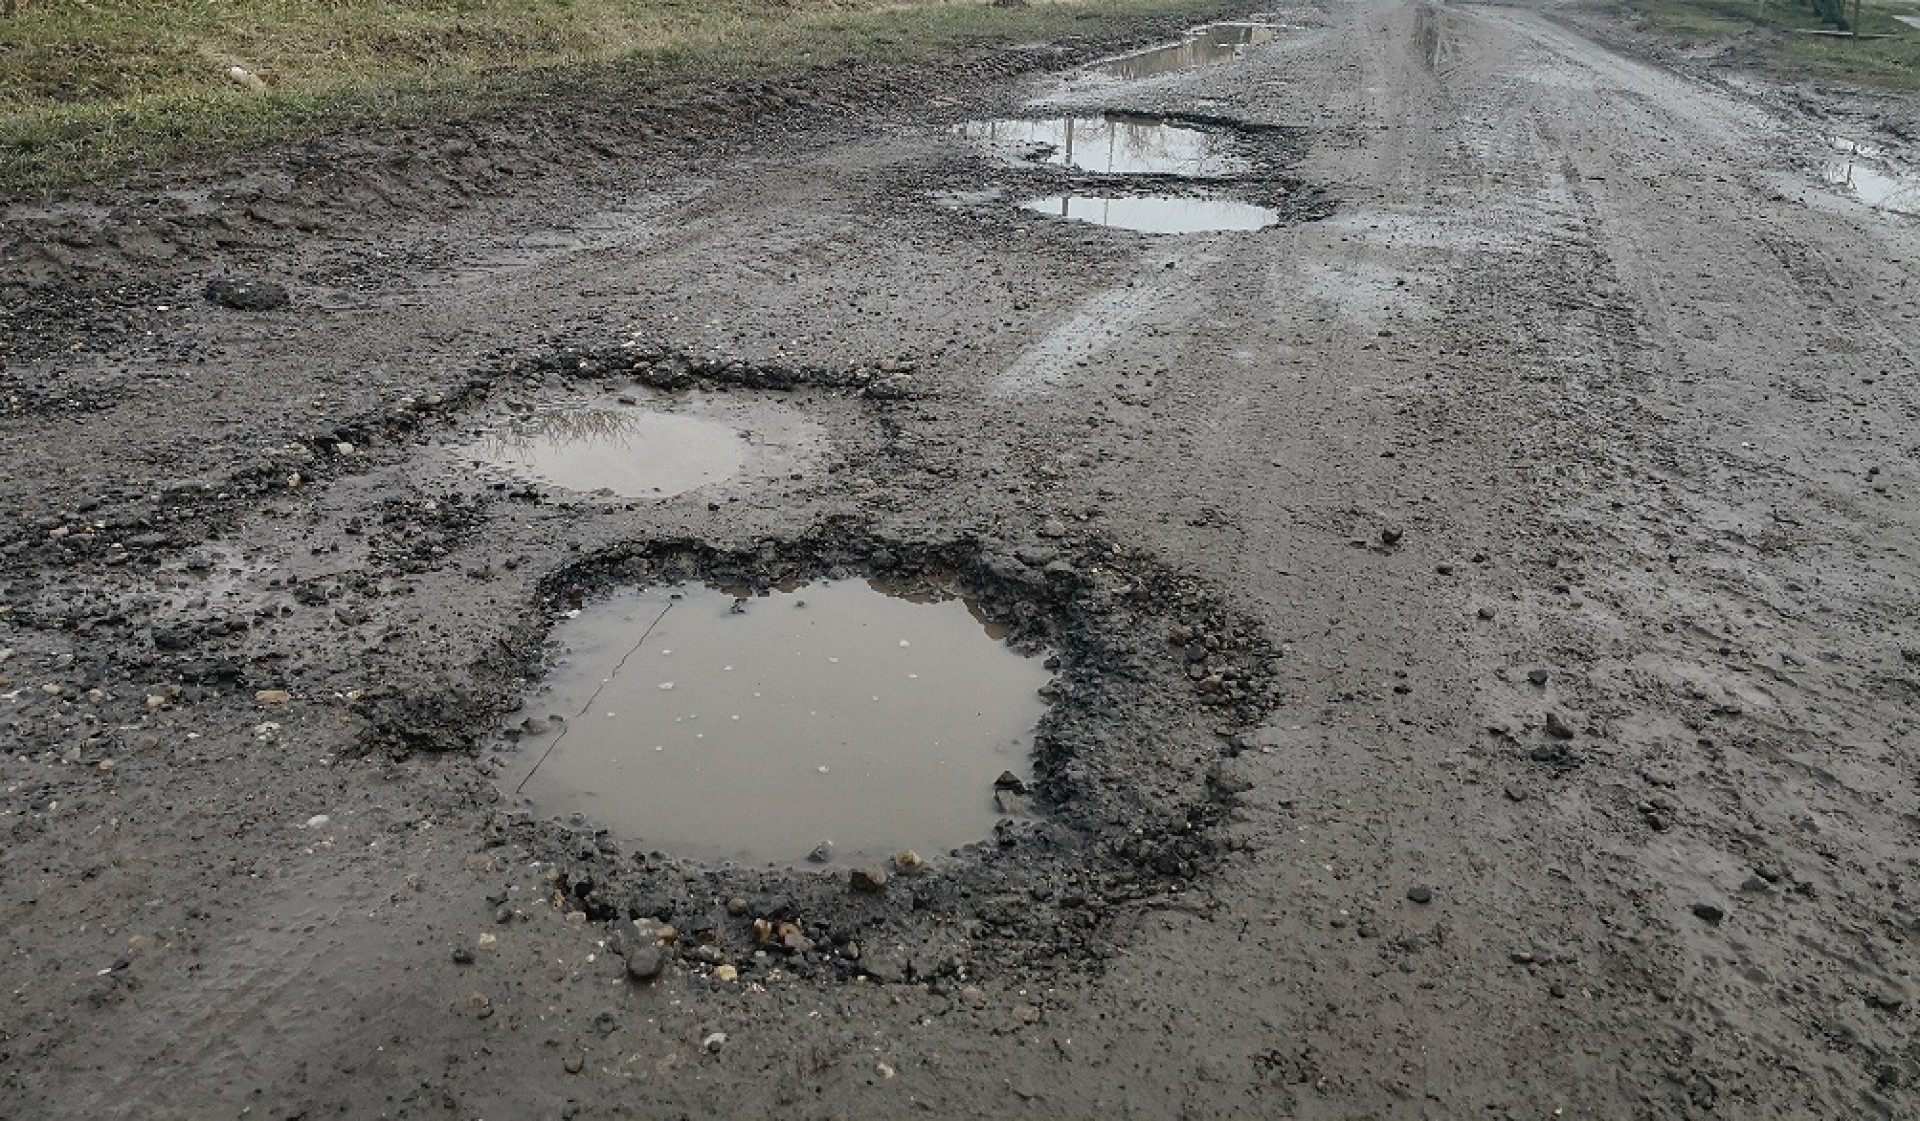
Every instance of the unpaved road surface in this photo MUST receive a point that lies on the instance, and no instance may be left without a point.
(1563, 387)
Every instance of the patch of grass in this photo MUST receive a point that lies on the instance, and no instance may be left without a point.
(1775, 30)
(92, 89)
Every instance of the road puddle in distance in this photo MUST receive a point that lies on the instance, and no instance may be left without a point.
(1112, 144)
(1214, 43)
(753, 729)
(1870, 182)
(1156, 215)
(625, 449)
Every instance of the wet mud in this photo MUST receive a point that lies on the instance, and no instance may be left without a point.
(1436, 640)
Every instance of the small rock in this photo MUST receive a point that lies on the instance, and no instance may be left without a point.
(1421, 894)
(479, 1005)
(725, 973)
(714, 1042)
(1391, 535)
(1558, 728)
(908, 861)
(1537, 676)
(870, 880)
(1515, 794)
(463, 956)
(1053, 527)
(822, 853)
(1008, 804)
(973, 997)
(272, 697)
(1010, 781)
(646, 963)
(576, 1063)
(1486, 613)
(246, 295)
(1708, 913)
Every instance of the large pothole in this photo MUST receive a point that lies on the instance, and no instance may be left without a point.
(842, 720)
(1130, 762)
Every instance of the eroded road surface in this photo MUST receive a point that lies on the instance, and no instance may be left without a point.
(1479, 597)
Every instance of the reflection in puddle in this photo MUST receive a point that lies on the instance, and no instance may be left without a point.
(1875, 187)
(1114, 144)
(635, 452)
(1217, 42)
(1158, 215)
(727, 729)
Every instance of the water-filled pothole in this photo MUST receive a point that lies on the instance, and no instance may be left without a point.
(1877, 188)
(619, 447)
(1113, 144)
(719, 727)
(1157, 215)
(1219, 42)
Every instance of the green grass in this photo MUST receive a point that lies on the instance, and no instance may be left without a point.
(95, 89)
(1772, 31)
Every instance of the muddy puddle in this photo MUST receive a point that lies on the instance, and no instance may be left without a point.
(721, 728)
(1111, 144)
(1157, 215)
(1858, 169)
(1205, 46)
(634, 449)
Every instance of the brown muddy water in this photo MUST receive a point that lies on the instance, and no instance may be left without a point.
(1111, 144)
(1206, 46)
(1157, 215)
(722, 728)
(653, 450)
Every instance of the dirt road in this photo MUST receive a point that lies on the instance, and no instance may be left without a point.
(1564, 386)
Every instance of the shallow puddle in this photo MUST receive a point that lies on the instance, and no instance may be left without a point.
(1871, 184)
(721, 728)
(1155, 215)
(1219, 42)
(605, 445)
(1113, 144)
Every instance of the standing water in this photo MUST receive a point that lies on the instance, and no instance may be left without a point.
(753, 729)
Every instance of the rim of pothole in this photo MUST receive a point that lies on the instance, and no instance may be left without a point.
(1157, 682)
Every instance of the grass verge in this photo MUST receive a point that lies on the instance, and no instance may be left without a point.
(92, 91)
(1776, 32)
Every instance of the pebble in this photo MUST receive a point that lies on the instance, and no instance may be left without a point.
(1558, 728)
(908, 861)
(1537, 676)
(1391, 535)
(1420, 893)
(646, 963)
(822, 853)
(463, 956)
(1486, 613)
(714, 1042)
(272, 697)
(1708, 913)
(870, 880)
(726, 973)
(576, 1063)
